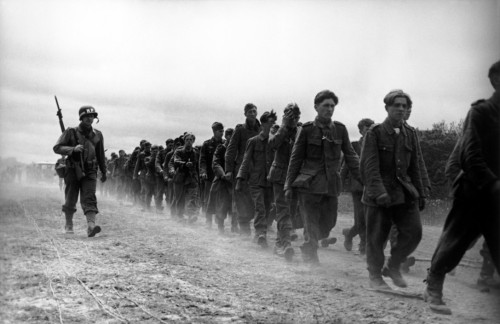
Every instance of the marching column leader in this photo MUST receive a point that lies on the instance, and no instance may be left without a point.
(84, 147)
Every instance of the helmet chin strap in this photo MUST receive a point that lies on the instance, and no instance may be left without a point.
(97, 120)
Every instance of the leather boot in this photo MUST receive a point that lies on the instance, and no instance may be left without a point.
(68, 227)
(92, 228)
(433, 294)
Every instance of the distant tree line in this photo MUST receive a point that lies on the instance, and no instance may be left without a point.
(437, 144)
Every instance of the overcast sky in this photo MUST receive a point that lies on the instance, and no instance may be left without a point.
(154, 69)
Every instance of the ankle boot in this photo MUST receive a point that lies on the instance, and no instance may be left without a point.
(92, 228)
(433, 294)
(68, 227)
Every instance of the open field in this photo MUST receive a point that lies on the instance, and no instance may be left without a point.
(146, 268)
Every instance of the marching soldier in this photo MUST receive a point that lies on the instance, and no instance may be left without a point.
(206, 171)
(185, 179)
(313, 172)
(84, 147)
(220, 193)
(282, 143)
(476, 193)
(234, 157)
(356, 189)
(393, 191)
(254, 169)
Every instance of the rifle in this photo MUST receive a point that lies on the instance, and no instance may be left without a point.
(59, 114)
(78, 166)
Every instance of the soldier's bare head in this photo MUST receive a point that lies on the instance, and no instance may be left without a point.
(292, 114)
(397, 103)
(324, 103)
(228, 134)
(364, 124)
(267, 120)
(397, 93)
(189, 139)
(494, 75)
(218, 130)
(250, 111)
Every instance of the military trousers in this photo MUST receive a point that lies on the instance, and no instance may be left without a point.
(147, 192)
(185, 199)
(470, 216)
(85, 188)
(159, 191)
(262, 198)
(379, 221)
(283, 215)
(320, 216)
(359, 227)
(244, 206)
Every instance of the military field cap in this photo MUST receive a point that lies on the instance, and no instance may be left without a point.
(217, 126)
(229, 131)
(154, 147)
(393, 94)
(87, 110)
(146, 143)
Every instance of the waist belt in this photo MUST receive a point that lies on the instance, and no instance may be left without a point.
(90, 165)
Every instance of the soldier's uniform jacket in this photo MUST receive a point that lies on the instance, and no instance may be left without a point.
(315, 158)
(206, 156)
(93, 143)
(218, 162)
(348, 181)
(182, 172)
(129, 166)
(421, 163)
(111, 166)
(281, 143)
(389, 164)
(479, 146)
(140, 169)
(119, 166)
(256, 162)
(160, 159)
(168, 165)
(150, 163)
(236, 148)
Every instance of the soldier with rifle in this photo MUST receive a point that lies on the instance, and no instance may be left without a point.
(84, 147)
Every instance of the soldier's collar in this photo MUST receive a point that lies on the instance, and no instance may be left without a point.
(322, 124)
(390, 129)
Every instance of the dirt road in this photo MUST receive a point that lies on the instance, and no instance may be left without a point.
(146, 268)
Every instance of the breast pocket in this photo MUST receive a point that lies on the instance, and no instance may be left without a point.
(314, 148)
(336, 148)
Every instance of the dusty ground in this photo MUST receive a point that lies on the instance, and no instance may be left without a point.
(146, 268)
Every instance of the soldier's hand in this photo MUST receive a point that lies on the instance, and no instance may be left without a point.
(288, 119)
(289, 195)
(228, 176)
(383, 200)
(239, 186)
(204, 176)
(79, 148)
(421, 203)
(189, 164)
(104, 178)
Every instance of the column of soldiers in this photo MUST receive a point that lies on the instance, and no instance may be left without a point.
(296, 172)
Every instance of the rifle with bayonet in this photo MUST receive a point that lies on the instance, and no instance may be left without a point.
(78, 165)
